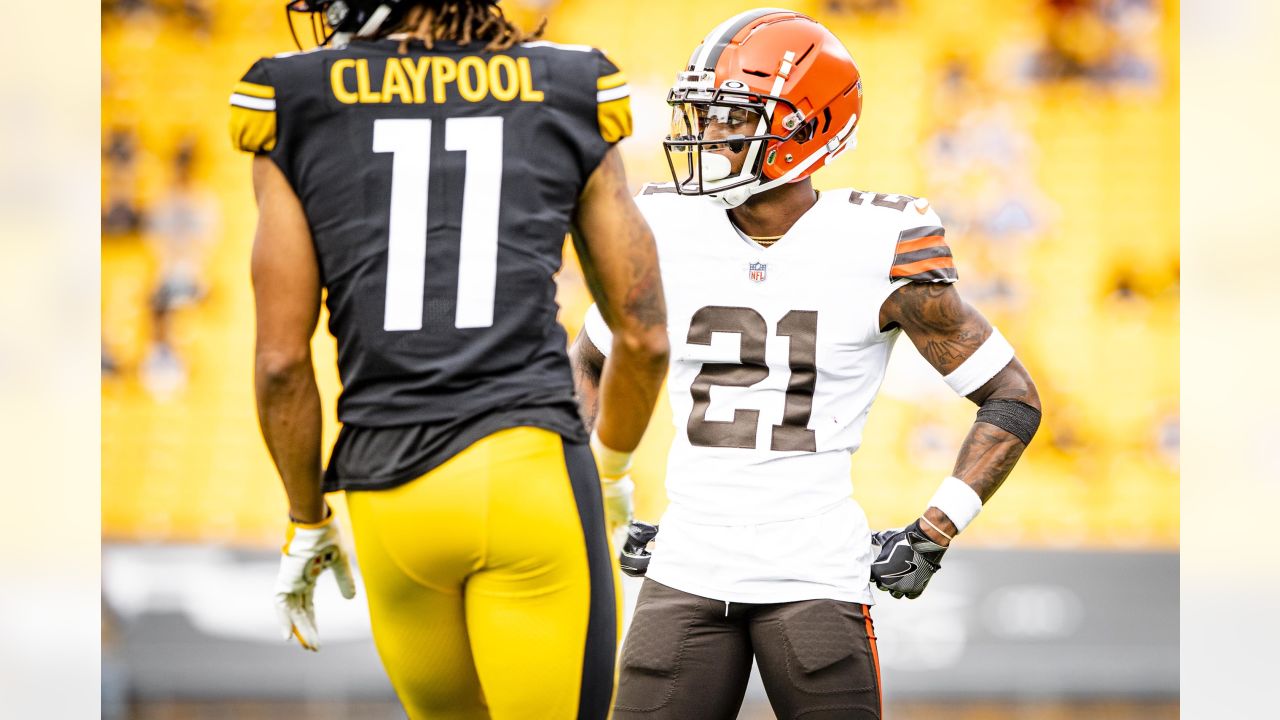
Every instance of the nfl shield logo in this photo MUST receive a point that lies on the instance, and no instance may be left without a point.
(756, 271)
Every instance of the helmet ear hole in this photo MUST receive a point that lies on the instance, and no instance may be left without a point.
(337, 13)
(807, 131)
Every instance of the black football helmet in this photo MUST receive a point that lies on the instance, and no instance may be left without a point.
(337, 21)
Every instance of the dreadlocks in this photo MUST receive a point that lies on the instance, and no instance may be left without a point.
(461, 21)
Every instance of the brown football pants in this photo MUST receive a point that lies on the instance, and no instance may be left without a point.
(689, 657)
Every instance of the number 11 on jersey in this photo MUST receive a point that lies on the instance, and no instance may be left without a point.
(409, 142)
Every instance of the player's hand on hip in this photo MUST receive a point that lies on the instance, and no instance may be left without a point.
(906, 561)
(634, 557)
(308, 551)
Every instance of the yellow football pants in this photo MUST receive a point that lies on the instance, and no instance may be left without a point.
(491, 584)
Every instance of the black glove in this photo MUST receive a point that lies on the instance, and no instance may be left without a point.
(635, 555)
(906, 561)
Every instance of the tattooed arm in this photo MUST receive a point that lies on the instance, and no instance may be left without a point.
(947, 330)
(620, 263)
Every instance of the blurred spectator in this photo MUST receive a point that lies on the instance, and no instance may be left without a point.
(1074, 42)
(1133, 25)
(975, 137)
(192, 14)
(979, 174)
(180, 227)
(121, 214)
(110, 366)
(195, 15)
(1169, 439)
(163, 373)
(121, 148)
(1144, 280)
(1063, 436)
(1122, 287)
(125, 8)
(1107, 42)
(864, 7)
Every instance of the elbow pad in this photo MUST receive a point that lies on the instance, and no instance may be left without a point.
(1013, 416)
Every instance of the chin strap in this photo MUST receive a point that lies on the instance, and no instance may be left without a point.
(375, 20)
(733, 197)
(370, 26)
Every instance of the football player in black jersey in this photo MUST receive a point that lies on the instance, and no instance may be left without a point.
(421, 167)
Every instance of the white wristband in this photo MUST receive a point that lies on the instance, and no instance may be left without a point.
(613, 464)
(957, 501)
(990, 358)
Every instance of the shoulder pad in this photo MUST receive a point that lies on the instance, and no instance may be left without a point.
(905, 204)
(921, 253)
(253, 111)
(308, 51)
(613, 100)
(557, 46)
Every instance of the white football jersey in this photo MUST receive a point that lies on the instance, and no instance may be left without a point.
(776, 357)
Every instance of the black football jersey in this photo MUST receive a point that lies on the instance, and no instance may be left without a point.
(439, 185)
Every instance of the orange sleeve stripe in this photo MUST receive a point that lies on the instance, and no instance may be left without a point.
(921, 266)
(906, 246)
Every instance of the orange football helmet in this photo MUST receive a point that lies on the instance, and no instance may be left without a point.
(773, 80)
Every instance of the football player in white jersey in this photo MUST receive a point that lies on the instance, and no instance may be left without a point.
(783, 305)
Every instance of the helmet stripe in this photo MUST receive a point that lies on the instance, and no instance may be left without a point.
(718, 39)
(698, 60)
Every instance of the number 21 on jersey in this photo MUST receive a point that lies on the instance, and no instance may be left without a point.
(801, 327)
(409, 141)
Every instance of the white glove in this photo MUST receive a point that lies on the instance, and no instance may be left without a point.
(308, 550)
(619, 509)
(615, 484)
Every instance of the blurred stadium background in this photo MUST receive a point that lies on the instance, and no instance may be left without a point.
(1046, 134)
